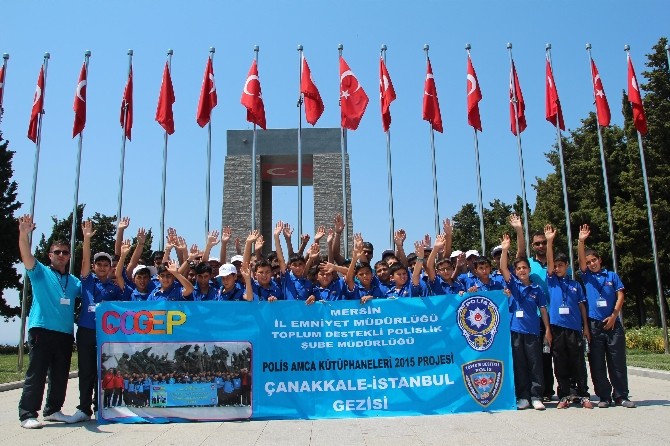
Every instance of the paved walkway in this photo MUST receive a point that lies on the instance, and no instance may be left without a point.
(646, 425)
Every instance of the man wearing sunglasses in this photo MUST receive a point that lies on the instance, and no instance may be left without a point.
(50, 329)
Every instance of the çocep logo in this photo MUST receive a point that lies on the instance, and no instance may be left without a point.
(142, 322)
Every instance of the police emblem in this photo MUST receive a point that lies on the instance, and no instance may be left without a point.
(478, 319)
(483, 379)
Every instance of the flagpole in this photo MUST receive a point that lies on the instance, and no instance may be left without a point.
(479, 178)
(73, 228)
(300, 102)
(253, 163)
(515, 104)
(5, 58)
(24, 300)
(123, 144)
(667, 55)
(161, 239)
(563, 180)
(426, 47)
(343, 136)
(610, 220)
(390, 171)
(208, 178)
(650, 216)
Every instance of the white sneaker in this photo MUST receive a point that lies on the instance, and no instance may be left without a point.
(57, 416)
(537, 404)
(522, 404)
(31, 423)
(78, 417)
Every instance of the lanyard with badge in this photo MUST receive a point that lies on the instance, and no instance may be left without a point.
(64, 300)
(519, 313)
(563, 309)
(600, 301)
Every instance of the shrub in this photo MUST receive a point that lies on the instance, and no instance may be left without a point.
(647, 338)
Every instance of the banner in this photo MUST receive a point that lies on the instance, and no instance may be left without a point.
(188, 361)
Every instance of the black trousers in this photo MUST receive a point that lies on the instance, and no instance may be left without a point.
(547, 369)
(88, 370)
(608, 355)
(527, 358)
(50, 355)
(568, 351)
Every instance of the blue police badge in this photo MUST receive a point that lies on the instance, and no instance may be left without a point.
(478, 319)
(483, 379)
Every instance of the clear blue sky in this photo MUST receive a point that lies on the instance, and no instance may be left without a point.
(108, 29)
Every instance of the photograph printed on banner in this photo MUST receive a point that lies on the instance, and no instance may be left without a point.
(194, 380)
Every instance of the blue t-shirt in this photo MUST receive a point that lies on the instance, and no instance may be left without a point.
(359, 291)
(295, 288)
(494, 283)
(173, 293)
(211, 293)
(228, 386)
(94, 291)
(334, 291)
(523, 306)
(440, 287)
(130, 292)
(262, 294)
(538, 274)
(407, 290)
(601, 292)
(53, 299)
(565, 293)
(236, 293)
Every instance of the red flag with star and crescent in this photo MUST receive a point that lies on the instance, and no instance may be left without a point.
(639, 119)
(164, 115)
(552, 103)
(38, 107)
(353, 99)
(474, 96)
(79, 105)
(313, 103)
(515, 95)
(602, 107)
(252, 98)
(127, 106)
(2, 84)
(431, 105)
(208, 98)
(386, 94)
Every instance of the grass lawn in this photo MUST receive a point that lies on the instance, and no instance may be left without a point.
(642, 358)
(8, 364)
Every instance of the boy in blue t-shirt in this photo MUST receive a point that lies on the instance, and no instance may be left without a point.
(482, 280)
(440, 274)
(605, 296)
(140, 286)
(567, 313)
(295, 284)
(168, 289)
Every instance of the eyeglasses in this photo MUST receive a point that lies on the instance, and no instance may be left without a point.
(543, 243)
(60, 252)
(366, 251)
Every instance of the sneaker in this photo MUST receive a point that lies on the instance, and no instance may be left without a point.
(575, 399)
(625, 402)
(522, 404)
(31, 423)
(537, 404)
(586, 403)
(78, 417)
(564, 403)
(57, 416)
(604, 404)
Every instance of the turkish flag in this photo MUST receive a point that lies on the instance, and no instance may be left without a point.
(474, 96)
(386, 94)
(2, 84)
(552, 105)
(353, 99)
(639, 119)
(313, 103)
(252, 98)
(431, 106)
(515, 95)
(208, 97)
(38, 107)
(127, 106)
(602, 107)
(166, 98)
(79, 106)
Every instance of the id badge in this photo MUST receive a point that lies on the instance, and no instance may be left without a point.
(563, 310)
(91, 308)
(519, 313)
(64, 301)
(600, 303)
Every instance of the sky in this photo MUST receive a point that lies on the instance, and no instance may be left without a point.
(109, 29)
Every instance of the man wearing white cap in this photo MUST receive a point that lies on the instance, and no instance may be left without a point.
(230, 288)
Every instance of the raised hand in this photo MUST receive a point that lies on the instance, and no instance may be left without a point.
(124, 222)
(260, 241)
(279, 227)
(253, 236)
(226, 233)
(213, 238)
(26, 225)
(125, 248)
(549, 232)
(440, 241)
(358, 242)
(172, 236)
(194, 252)
(339, 224)
(288, 231)
(141, 236)
(584, 232)
(87, 229)
(399, 237)
(418, 249)
(304, 238)
(331, 235)
(314, 251)
(505, 242)
(172, 266)
(320, 232)
(448, 226)
(427, 241)
(515, 221)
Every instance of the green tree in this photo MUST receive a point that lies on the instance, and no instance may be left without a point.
(9, 233)
(466, 228)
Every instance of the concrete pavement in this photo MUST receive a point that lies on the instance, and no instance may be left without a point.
(646, 425)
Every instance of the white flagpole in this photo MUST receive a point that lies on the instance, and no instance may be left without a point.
(390, 171)
(209, 159)
(515, 103)
(73, 228)
(123, 144)
(343, 143)
(253, 162)
(161, 243)
(300, 102)
(24, 299)
(432, 151)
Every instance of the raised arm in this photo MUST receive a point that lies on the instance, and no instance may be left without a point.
(118, 271)
(212, 240)
(448, 227)
(226, 233)
(279, 227)
(258, 248)
(246, 274)
(338, 227)
(124, 222)
(304, 239)
(26, 227)
(288, 232)
(87, 229)
(416, 272)
(399, 239)
(550, 234)
(137, 253)
(313, 259)
(440, 240)
(584, 232)
(504, 258)
(251, 239)
(355, 256)
(182, 249)
(515, 222)
(187, 287)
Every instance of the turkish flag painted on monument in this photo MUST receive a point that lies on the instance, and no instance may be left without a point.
(353, 99)
(127, 105)
(38, 107)
(602, 107)
(552, 104)
(515, 95)
(639, 119)
(431, 105)
(166, 98)
(474, 96)
(208, 98)
(252, 98)
(313, 103)
(79, 105)
(386, 94)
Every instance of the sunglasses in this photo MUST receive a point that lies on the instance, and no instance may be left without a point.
(60, 252)
(540, 243)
